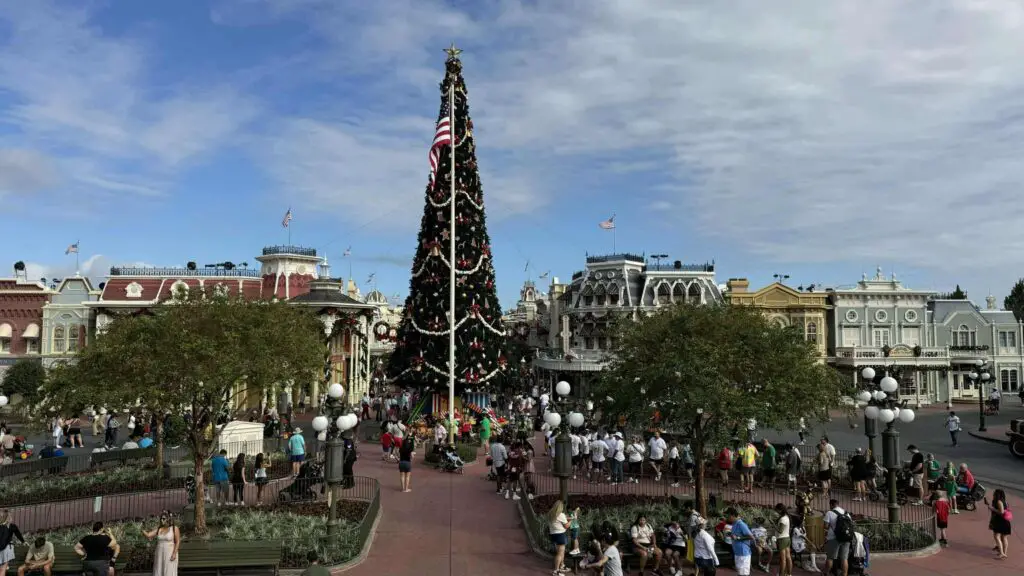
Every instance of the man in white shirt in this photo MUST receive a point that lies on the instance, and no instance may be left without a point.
(598, 448)
(834, 549)
(618, 458)
(574, 443)
(656, 447)
(953, 426)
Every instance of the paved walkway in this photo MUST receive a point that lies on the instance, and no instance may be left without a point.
(455, 525)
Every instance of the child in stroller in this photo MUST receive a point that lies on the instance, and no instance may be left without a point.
(450, 460)
(310, 474)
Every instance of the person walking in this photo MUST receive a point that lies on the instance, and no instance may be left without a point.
(165, 553)
(8, 532)
(742, 542)
(656, 453)
(238, 481)
(942, 509)
(485, 434)
(406, 452)
(784, 541)
(1000, 523)
(296, 450)
(220, 475)
(260, 475)
(953, 427)
(704, 557)
(618, 458)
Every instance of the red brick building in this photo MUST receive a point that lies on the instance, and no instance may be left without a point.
(21, 316)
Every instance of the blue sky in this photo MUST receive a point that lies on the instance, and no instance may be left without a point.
(817, 140)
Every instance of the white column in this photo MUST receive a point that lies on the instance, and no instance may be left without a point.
(917, 387)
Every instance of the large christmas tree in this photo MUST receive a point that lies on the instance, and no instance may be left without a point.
(421, 353)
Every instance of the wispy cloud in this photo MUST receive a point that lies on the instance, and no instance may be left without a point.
(91, 101)
(841, 130)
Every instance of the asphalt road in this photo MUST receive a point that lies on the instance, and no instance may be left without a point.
(990, 462)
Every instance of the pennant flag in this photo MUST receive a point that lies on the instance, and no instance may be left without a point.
(608, 224)
(527, 267)
(287, 218)
(72, 249)
(442, 137)
(545, 275)
(348, 252)
(371, 278)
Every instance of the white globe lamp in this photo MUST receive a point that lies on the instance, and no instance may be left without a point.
(320, 423)
(322, 436)
(896, 412)
(907, 415)
(553, 419)
(3, 400)
(886, 415)
(563, 388)
(871, 412)
(590, 406)
(879, 395)
(352, 420)
(973, 375)
(985, 376)
(864, 396)
(888, 385)
(575, 419)
(868, 374)
(335, 391)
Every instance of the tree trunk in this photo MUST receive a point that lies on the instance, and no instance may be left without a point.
(700, 489)
(200, 500)
(160, 468)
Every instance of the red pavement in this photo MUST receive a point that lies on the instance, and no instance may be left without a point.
(455, 525)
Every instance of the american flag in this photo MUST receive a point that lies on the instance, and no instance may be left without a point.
(442, 137)
(608, 224)
(72, 249)
(287, 218)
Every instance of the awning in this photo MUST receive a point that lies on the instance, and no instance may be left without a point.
(32, 331)
(5, 331)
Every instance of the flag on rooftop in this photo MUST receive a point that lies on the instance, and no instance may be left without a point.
(287, 218)
(608, 224)
(72, 249)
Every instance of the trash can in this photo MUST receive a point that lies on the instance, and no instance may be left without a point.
(815, 525)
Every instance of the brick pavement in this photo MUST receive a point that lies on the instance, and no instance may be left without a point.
(455, 525)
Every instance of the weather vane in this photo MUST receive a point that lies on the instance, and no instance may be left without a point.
(452, 51)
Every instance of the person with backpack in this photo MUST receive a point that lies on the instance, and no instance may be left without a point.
(838, 538)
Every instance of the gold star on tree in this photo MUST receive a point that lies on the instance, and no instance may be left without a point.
(452, 51)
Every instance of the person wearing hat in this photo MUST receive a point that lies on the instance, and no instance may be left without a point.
(618, 456)
(296, 450)
(704, 557)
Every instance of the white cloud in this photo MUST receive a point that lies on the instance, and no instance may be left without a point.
(90, 99)
(96, 267)
(814, 131)
(25, 171)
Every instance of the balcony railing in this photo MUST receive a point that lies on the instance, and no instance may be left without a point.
(705, 267)
(615, 258)
(297, 250)
(184, 272)
(873, 353)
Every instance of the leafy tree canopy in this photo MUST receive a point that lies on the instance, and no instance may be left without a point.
(196, 353)
(1014, 301)
(24, 378)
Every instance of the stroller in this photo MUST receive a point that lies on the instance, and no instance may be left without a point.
(858, 561)
(310, 474)
(450, 460)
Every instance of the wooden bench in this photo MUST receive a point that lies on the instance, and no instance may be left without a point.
(218, 557)
(65, 560)
(122, 457)
(35, 466)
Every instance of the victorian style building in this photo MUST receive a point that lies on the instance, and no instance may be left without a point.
(806, 311)
(21, 318)
(580, 314)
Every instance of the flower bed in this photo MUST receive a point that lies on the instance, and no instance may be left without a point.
(103, 482)
(301, 527)
(621, 510)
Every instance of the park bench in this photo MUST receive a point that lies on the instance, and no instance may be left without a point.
(65, 560)
(34, 466)
(229, 557)
(122, 457)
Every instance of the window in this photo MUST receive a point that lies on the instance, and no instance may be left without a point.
(73, 339)
(851, 337)
(32, 346)
(599, 293)
(588, 343)
(1008, 380)
(694, 294)
(911, 336)
(60, 342)
(5, 345)
(1007, 339)
(664, 295)
(964, 336)
(880, 337)
(613, 298)
(812, 332)
(601, 343)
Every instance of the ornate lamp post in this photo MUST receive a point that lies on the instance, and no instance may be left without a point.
(979, 376)
(335, 422)
(3, 400)
(563, 447)
(883, 404)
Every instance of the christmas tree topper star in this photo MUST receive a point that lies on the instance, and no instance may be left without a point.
(452, 51)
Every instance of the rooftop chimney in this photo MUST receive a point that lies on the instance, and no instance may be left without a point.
(737, 285)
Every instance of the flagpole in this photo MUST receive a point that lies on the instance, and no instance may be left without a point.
(451, 276)
(78, 250)
(613, 238)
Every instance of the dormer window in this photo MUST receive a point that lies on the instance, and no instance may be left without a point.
(133, 290)
(599, 294)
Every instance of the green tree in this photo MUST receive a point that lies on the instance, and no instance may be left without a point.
(1014, 301)
(24, 378)
(197, 354)
(958, 294)
(708, 369)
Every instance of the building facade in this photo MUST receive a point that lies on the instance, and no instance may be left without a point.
(806, 311)
(21, 318)
(581, 313)
(68, 321)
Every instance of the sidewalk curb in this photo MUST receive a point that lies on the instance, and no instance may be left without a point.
(363, 554)
(987, 438)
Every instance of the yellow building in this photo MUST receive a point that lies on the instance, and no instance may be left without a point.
(785, 306)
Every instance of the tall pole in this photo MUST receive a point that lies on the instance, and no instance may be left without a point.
(451, 271)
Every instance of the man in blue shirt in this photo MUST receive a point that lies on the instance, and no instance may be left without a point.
(220, 474)
(146, 441)
(296, 450)
(742, 542)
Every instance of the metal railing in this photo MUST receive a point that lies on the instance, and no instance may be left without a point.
(69, 519)
(185, 272)
(292, 249)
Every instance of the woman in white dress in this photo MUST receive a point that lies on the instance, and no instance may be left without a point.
(168, 538)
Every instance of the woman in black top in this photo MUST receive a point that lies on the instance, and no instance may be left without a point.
(8, 532)
(405, 455)
(238, 480)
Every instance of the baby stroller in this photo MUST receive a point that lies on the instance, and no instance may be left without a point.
(450, 460)
(310, 474)
(857, 562)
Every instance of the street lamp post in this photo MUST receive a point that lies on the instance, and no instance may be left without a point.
(979, 377)
(335, 423)
(884, 404)
(563, 448)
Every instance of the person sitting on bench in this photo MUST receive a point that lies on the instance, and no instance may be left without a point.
(39, 559)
